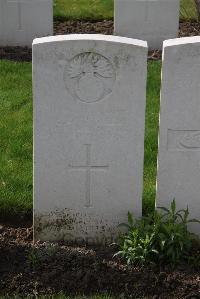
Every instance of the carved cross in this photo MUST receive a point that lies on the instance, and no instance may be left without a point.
(88, 167)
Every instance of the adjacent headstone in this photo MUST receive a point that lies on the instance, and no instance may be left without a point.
(89, 115)
(150, 20)
(23, 20)
(179, 143)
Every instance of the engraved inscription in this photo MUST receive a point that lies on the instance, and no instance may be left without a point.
(19, 3)
(184, 140)
(89, 77)
(88, 167)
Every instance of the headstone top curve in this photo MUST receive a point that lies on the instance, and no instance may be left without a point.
(181, 41)
(91, 37)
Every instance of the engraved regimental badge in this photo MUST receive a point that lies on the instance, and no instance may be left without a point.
(89, 77)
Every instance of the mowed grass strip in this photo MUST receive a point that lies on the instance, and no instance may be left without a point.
(97, 10)
(188, 10)
(16, 138)
(151, 135)
(83, 9)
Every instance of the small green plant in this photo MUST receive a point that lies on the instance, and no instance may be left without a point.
(35, 256)
(161, 237)
(32, 257)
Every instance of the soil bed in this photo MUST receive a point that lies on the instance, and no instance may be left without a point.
(46, 268)
(102, 27)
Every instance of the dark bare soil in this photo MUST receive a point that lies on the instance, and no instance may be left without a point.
(46, 268)
(103, 27)
(68, 27)
(189, 29)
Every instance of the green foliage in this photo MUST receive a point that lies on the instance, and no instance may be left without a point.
(161, 237)
(33, 259)
(194, 259)
(35, 256)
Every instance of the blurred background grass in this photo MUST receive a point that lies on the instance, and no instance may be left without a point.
(104, 9)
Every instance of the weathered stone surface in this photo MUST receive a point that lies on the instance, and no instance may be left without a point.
(179, 143)
(23, 20)
(150, 20)
(89, 114)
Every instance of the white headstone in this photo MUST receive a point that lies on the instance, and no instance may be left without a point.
(150, 20)
(179, 143)
(23, 20)
(89, 115)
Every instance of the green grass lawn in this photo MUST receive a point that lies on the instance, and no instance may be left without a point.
(187, 10)
(104, 9)
(16, 138)
(83, 9)
(151, 134)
